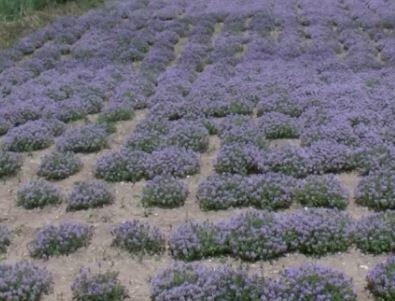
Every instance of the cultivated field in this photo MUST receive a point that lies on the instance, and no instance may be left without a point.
(201, 150)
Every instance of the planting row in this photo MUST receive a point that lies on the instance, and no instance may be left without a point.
(27, 282)
(251, 236)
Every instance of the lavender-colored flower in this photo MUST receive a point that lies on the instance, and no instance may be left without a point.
(63, 239)
(164, 191)
(89, 194)
(321, 191)
(138, 238)
(10, 163)
(381, 280)
(193, 240)
(194, 281)
(175, 161)
(31, 136)
(188, 135)
(375, 233)
(277, 125)
(24, 281)
(122, 165)
(313, 282)
(97, 286)
(86, 139)
(37, 194)
(377, 190)
(319, 231)
(59, 165)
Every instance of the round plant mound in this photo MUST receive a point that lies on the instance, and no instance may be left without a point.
(31, 136)
(37, 194)
(257, 235)
(193, 240)
(178, 162)
(138, 238)
(319, 231)
(188, 135)
(278, 126)
(164, 191)
(194, 281)
(375, 233)
(90, 286)
(89, 194)
(377, 190)
(381, 280)
(59, 165)
(312, 282)
(24, 281)
(121, 165)
(60, 240)
(10, 163)
(87, 139)
(321, 191)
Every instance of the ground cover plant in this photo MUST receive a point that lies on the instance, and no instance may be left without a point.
(258, 134)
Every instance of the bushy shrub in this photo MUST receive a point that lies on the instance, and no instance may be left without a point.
(329, 157)
(178, 162)
(192, 240)
(289, 160)
(59, 165)
(99, 286)
(116, 111)
(63, 239)
(257, 235)
(10, 163)
(268, 191)
(375, 233)
(238, 158)
(242, 134)
(281, 103)
(313, 282)
(24, 281)
(188, 135)
(86, 139)
(277, 125)
(377, 190)
(193, 281)
(123, 165)
(89, 194)
(37, 194)
(164, 191)
(138, 238)
(320, 231)
(5, 239)
(321, 191)
(31, 136)
(381, 280)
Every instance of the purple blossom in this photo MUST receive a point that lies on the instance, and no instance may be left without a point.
(381, 280)
(10, 163)
(37, 194)
(59, 165)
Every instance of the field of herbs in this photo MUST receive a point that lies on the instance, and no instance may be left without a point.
(201, 150)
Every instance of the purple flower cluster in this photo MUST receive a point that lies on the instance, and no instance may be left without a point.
(87, 139)
(89, 194)
(37, 194)
(63, 239)
(31, 136)
(59, 165)
(377, 190)
(375, 233)
(313, 282)
(267, 191)
(261, 235)
(24, 281)
(91, 286)
(165, 192)
(10, 163)
(321, 191)
(277, 125)
(195, 281)
(138, 238)
(5, 239)
(381, 280)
